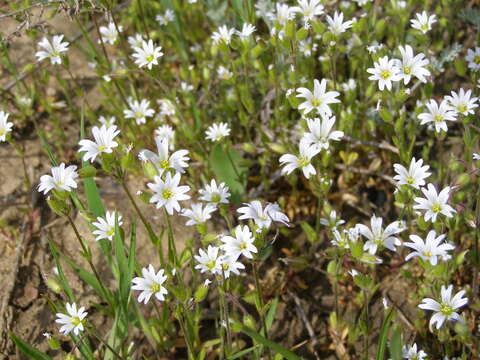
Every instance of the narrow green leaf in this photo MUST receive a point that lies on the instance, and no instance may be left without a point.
(260, 339)
(28, 350)
(382, 343)
(243, 352)
(271, 313)
(395, 345)
(61, 276)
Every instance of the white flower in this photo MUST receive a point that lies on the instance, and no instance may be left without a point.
(108, 122)
(166, 18)
(473, 58)
(215, 194)
(5, 125)
(103, 143)
(147, 54)
(283, 14)
(350, 85)
(262, 217)
(52, 49)
(230, 264)
(162, 160)
(423, 22)
(168, 193)
(303, 161)
(105, 227)
(476, 156)
(332, 220)
(430, 249)
(321, 132)
(217, 132)
(444, 310)
(198, 214)
(319, 99)
(378, 237)
(209, 260)
(340, 239)
(336, 24)
(62, 179)
(150, 284)
(412, 65)
(415, 175)
(166, 132)
(247, 30)
(410, 352)
(385, 72)
(136, 41)
(224, 73)
(166, 107)
(462, 102)
(309, 9)
(139, 111)
(73, 321)
(224, 34)
(362, 2)
(241, 244)
(434, 203)
(438, 115)
(109, 33)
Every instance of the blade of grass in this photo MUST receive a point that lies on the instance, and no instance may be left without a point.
(28, 350)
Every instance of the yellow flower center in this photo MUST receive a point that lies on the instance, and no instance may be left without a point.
(407, 70)
(242, 245)
(150, 58)
(167, 194)
(75, 321)
(102, 148)
(164, 164)
(385, 74)
(2, 132)
(154, 288)
(211, 264)
(424, 27)
(427, 253)
(302, 162)
(215, 197)
(138, 114)
(436, 208)
(446, 309)
(476, 59)
(438, 118)
(110, 231)
(316, 102)
(410, 180)
(461, 108)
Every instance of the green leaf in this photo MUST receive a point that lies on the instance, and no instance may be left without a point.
(227, 168)
(28, 350)
(271, 313)
(243, 352)
(265, 342)
(382, 343)
(61, 276)
(124, 266)
(395, 345)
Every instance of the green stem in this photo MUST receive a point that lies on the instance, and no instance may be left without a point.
(258, 291)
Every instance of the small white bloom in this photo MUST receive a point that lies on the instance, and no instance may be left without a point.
(162, 160)
(198, 214)
(309, 9)
(139, 111)
(247, 30)
(438, 115)
(150, 284)
(166, 18)
(166, 132)
(105, 227)
(223, 34)
(384, 71)
(410, 352)
(107, 121)
(52, 49)
(430, 249)
(476, 156)
(262, 217)
(423, 22)
(73, 321)
(109, 33)
(434, 203)
(415, 175)
(61, 179)
(241, 244)
(332, 220)
(350, 85)
(224, 73)
(321, 132)
(216, 194)
(136, 41)
(5, 125)
(473, 58)
(445, 309)
(209, 260)
(104, 142)
(340, 239)
(217, 132)
(230, 265)
(336, 24)
(378, 237)
(167, 108)
(318, 99)
(168, 193)
(462, 102)
(283, 14)
(147, 54)
(412, 65)
(303, 161)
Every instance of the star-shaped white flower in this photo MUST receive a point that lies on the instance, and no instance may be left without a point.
(434, 203)
(162, 160)
(52, 49)
(438, 115)
(430, 249)
(139, 111)
(5, 125)
(384, 71)
(150, 284)
(61, 179)
(412, 65)
(241, 244)
(147, 54)
(168, 193)
(318, 99)
(378, 237)
(103, 143)
(105, 227)
(291, 162)
(415, 175)
(320, 132)
(73, 321)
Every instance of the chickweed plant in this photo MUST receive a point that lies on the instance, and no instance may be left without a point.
(323, 152)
